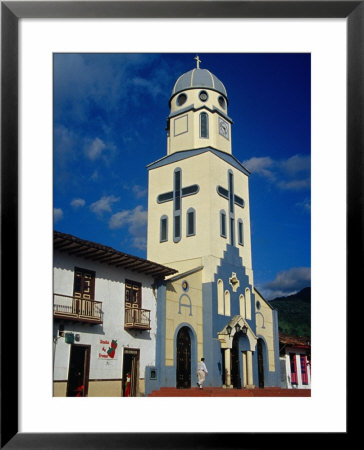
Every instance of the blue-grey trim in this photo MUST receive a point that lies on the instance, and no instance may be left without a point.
(192, 107)
(184, 154)
(191, 193)
(222, 194)
(277, 373)
(167, 200)
(188, 233)
(231, 207)
(164, 217)
(172, 370)
(189, 305)
(174, 127)
(185, 274)
(204, 114)
(181, 111)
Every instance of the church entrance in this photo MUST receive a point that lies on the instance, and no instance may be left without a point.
(260, 363)
(235, 363)
(183, 359)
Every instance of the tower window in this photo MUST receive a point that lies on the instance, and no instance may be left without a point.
(191, 222)
(181, 99)
(164, 229)
(204, 125)
(223, 224)
(240, 232)
(222, 102)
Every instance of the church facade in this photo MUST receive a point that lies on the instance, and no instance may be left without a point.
(199, 224)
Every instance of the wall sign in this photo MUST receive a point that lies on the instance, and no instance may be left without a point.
(107, 349)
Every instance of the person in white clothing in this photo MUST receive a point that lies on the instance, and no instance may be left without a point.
(201, 372)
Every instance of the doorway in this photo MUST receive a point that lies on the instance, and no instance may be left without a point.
(235, 363)
(78, 372)
(130, 372)
(183, 374)
(260, 363)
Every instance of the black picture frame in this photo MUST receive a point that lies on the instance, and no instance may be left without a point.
(11, 12)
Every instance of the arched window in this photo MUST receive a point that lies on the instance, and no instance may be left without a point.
(164, 229)
(248, 307)
(227, 303)
(220, 297)
(191, 222)
(242, 306)
(204, 125)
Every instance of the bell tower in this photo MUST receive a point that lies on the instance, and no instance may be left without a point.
(198, 194)
(198, 113)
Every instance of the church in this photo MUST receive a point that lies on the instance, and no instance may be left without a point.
(199, 224)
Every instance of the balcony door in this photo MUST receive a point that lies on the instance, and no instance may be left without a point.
(83, 291)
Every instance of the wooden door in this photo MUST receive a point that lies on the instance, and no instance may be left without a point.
(78, 371)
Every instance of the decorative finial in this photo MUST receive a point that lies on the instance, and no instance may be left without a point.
(197, 61)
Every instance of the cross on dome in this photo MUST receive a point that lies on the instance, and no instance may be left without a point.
(197, 61)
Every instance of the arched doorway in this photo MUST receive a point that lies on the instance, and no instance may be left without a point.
(183, 372)
(235, 363)
(260, 363)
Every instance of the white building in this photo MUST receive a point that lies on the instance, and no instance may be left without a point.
(104, 312)
(295, 358)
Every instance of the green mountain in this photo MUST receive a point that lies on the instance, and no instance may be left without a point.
(294, 313)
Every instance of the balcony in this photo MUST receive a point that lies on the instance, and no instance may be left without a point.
(137, 319)
(77, 309)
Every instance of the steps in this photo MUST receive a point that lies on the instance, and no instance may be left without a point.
(221, 392)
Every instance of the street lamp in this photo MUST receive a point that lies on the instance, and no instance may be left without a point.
(237, 328)
(244, 329)
(228, 329)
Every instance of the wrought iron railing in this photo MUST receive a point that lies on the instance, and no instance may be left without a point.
(74, 308)
(136, 318)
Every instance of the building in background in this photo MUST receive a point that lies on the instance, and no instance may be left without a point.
(295, 356)
(104, 312)
(199, 224)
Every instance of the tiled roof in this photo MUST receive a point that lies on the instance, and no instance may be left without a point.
(101, 253)
(294, 341)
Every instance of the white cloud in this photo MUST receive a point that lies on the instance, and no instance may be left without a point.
(287, 174)
(77, 203)
(57, 214)
(287, 282)
(136, 222)
(93, 149)
(262, 166)
(139, 191)
(103, 205)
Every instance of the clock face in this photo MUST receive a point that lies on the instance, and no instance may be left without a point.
(203, 96)
(223, 128)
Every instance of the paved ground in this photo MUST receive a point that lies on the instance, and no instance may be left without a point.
(221, 392)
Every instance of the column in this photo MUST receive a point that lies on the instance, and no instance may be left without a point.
(227, 367)
(245, 379)
(249, 360)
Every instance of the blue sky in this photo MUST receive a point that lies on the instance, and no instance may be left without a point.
(110, 115)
